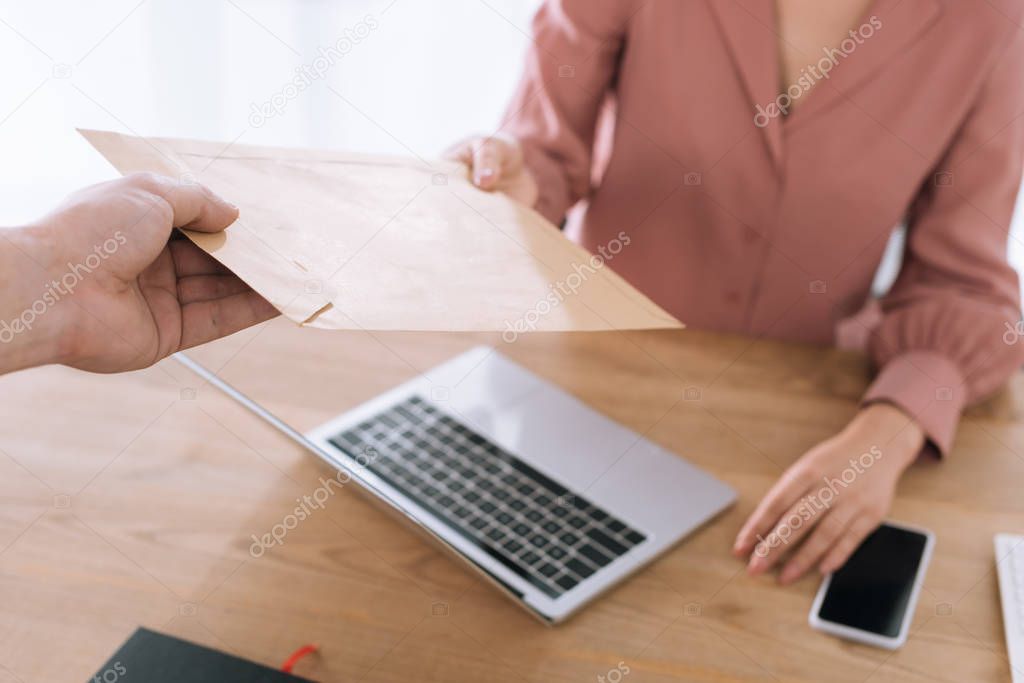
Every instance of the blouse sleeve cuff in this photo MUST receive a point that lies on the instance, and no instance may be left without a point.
(927, 386)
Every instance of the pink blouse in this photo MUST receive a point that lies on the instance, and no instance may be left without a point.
(743, 220)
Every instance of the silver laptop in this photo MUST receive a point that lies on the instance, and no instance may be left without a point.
(550, 500)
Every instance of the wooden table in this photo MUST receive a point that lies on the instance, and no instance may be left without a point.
(132, 500)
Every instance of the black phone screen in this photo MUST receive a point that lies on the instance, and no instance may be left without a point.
(871, 591)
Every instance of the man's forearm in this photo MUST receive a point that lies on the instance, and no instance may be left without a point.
(27, 298)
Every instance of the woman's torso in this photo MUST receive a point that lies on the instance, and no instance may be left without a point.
(744, 220)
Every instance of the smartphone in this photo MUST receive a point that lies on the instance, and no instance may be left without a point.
(871, 598)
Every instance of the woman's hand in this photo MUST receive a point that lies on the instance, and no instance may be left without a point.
(97, 285)
(827, 502)
(496, 164)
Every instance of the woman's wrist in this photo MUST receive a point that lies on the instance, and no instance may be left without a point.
(29, 315)
(895, 431)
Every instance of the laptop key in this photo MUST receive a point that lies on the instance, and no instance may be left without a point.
(548, 569)
(566, 582)
(594, 555)
(607, 541)
(615, 526)
(530, 557)
(635, 537)
(579, 568)
(539, 541)
(556, 553)
(577, 522)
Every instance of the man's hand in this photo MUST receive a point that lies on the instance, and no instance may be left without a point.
(97, 285)
(827, 502)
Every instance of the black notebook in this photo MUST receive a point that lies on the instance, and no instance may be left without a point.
(156, 658)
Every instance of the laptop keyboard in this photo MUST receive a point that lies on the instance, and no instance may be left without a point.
(540, 530)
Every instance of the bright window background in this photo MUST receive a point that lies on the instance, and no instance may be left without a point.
(428, 73)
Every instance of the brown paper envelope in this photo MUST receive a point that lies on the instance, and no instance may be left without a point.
(353, 241)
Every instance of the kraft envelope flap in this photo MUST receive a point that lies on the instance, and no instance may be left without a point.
(353, 241)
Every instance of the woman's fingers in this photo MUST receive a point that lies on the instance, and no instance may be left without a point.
(786, 491)
(789, 530)
(829, 530)
(496, 164)
(851, 540)
(488, 159)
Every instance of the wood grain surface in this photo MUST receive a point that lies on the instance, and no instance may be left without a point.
(133, 500)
